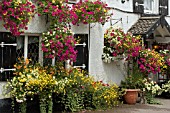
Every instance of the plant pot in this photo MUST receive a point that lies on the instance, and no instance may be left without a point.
(131, 96)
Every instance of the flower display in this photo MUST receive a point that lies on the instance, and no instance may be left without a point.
(150, 90)
(166, 55)
(16, 14)
(83, 92)
(56, 9)
(75, 89)
(32, 80)
(151, 86)
(59, 42)
(105, 95)
(150, 61)
(118, 44)
(166, 87)
(89, 12)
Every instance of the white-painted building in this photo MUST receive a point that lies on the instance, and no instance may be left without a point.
(126, 14)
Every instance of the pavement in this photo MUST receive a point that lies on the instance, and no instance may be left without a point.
(139, 108)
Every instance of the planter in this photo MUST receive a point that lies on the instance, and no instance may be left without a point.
(131, 96)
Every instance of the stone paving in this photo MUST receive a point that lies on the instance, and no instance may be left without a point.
(140, 108)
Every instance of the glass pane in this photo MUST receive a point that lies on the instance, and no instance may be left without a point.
(33, 48)
(148, 4)
(20, 47)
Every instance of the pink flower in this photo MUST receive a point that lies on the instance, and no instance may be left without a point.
(90, 13)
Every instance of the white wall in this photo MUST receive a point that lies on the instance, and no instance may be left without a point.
(127, 6)
(128, 19)
(37, 25)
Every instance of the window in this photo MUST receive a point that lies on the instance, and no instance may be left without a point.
(12, 48)
(148, 6)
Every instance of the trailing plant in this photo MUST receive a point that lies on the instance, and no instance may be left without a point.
(89, 12)
(119, 45)
(16, 14)
(56, 10)
(59, 42)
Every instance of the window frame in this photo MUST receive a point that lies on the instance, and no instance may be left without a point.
(154, 9)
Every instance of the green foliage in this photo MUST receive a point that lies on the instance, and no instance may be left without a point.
(75, 88)
(150, 99)
(134, 80)
(83, 92)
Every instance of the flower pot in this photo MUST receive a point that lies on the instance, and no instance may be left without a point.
(131, 96)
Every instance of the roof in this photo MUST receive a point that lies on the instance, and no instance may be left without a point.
(147, 25)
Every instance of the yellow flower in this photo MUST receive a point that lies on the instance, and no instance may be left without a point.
(20, 73)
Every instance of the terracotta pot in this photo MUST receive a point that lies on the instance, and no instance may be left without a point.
(131, 96)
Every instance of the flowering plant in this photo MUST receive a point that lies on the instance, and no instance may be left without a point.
(117, 43)
(151, 86)
(166, 87)
(56, 9)
(32, 80)
(89, 12)
(59, 42)
(83, 92)
(166, 55)
(150, 90)
(105, 95)
(16, 14)
(150, 61)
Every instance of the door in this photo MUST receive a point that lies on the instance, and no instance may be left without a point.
(82, 51)
(7, 55)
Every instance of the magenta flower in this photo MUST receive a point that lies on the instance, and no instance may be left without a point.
(60, 44)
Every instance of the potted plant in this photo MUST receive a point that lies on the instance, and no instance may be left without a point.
(132, 85)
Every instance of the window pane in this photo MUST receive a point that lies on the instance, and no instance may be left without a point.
(148, 4)
(33, 48)
(20, 47)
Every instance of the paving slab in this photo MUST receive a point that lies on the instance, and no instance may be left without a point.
(139, 108)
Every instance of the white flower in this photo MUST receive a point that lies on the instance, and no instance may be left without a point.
(19, 101)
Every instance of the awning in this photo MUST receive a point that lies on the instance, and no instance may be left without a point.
(145, 26)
